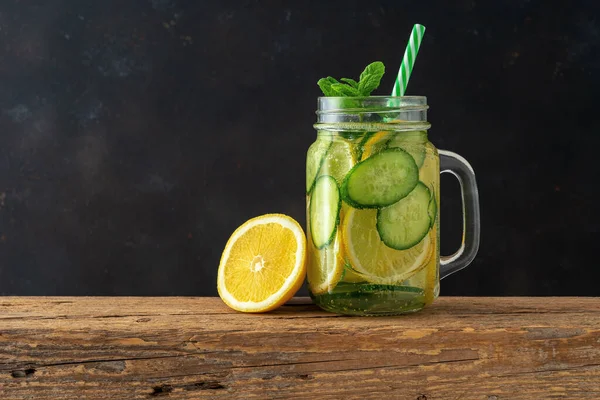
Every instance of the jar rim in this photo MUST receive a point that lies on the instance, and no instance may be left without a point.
(373, 97)
(381, 103)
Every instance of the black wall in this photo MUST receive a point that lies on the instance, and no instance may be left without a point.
(135, 136)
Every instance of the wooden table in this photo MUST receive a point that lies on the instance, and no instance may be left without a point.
(196, 348)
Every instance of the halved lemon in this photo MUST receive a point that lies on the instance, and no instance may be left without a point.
(374, 144)
(263, 264)
(325, 266)
(370, 257)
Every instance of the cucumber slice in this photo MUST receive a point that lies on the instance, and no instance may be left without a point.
(413, 143)
(314, 159)
(350, 289)
(325, 206)
(381, 180)
(405, 223)
(432, 209)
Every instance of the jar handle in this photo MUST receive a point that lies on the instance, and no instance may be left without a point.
(459, 167)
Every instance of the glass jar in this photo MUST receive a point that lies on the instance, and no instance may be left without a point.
(373, 195)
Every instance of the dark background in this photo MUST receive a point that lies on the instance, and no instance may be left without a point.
(135, 136)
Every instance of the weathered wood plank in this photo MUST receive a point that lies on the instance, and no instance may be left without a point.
(196, 348)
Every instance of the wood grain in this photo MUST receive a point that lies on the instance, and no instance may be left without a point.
(196, 348)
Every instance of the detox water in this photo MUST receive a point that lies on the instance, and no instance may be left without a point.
(372, 211)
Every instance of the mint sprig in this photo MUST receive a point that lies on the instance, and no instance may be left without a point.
(369, 81)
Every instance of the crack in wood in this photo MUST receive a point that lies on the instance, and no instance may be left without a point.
(550, 370)
(161, 390)
(118, 316)
(304, 377)
(295, 363)
(84, 362)
(23, 373)
(204, 385)
(257, 366)
(221, 374)
(91, 316)
(166, 389)
(524, 312)
(408, 366)
(76, 317)
(109, 360)
(35, 318)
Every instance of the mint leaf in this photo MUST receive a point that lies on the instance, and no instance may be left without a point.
(375, 68)
(345, 90)
(350, 82)
(369, 81)
(370, 78)
(325, 85)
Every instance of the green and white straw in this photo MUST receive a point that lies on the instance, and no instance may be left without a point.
(408, 62)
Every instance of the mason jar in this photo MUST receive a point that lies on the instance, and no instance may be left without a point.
(372, 203)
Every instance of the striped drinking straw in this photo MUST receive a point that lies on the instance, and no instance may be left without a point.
(408, 62)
